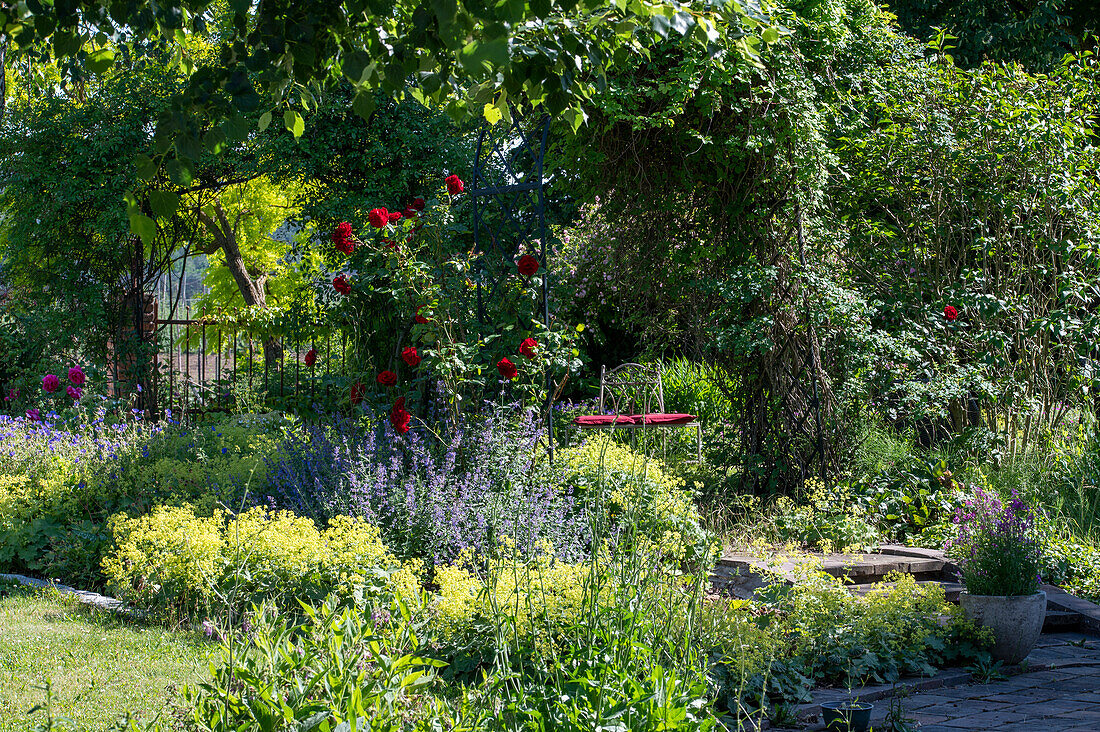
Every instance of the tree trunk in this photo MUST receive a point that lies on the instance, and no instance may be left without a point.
(252, 288)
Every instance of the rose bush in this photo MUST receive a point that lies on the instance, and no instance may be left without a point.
(421, 306)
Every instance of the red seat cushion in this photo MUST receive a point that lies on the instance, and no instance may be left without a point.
(602, 420)
(663, 418)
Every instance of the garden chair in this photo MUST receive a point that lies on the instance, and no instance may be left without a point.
(632, 398)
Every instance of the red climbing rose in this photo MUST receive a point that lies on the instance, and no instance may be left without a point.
(386, 378)
(420, 319)
(409, 212)
(418, 204)
(950, 313)
(507, 369)
(399, 417)
(311, 357)
(340, 282)
(394, 216)
(410, 356)
(378, 217)
(341, 237)
(527, 265)
(527, 348)
(454, 185)
(357, 392)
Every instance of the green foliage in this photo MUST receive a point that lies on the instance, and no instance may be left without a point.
(422, 266)
(57, 489)
(898, 629)
(271, 61)
(825, 519)
(632, 490)
(65, 239)
(1036, 34)
(338, 667)
(173, 559)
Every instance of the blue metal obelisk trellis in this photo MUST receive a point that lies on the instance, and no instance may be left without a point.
(510, 212)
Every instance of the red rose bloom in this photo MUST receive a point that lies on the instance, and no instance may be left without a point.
(418, 204)
(311, 357)
(527, 265)
(387, 378)
(340, 282)
(420, 319)
(394, 216)
(527, 348)
(379, 217)
(454, 185)
(507, 369)
(341, 237)
(409, 213)
(950, 313)
(410, 356)
(399, 417)
(357, 392)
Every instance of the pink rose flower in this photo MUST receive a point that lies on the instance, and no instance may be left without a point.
(50, 383)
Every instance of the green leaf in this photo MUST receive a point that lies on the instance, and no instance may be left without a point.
(491, 113)
(146, 167)
(101, 60)
(265, 121)
(364, 105)
(294, 123)
(143, 226)
(164, 203)
(770, 35)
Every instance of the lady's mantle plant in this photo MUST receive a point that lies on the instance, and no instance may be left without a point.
(997, 545)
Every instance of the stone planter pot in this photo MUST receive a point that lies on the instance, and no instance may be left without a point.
(846, 716)
(1016, 622)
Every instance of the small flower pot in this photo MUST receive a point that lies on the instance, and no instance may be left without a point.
(1016, 622)
(846, 716)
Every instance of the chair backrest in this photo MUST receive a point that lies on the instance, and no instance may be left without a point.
(631, 388)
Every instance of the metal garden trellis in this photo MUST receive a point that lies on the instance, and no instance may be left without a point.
(509, 208)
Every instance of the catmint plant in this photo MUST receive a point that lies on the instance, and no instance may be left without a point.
(482, 487)
(997, 545)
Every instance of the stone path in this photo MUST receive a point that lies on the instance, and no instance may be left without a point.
(1060, 690)
(88, 598)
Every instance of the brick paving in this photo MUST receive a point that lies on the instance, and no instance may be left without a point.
(1059, 690)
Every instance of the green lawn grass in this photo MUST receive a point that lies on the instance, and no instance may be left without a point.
(100, 666)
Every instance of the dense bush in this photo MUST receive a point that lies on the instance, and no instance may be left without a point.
(434, 497)
(172, 558)
(63, 482)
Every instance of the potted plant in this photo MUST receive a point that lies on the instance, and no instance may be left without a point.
(846, 716)
(1000, 557)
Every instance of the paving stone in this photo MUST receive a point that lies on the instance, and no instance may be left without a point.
(987, 720)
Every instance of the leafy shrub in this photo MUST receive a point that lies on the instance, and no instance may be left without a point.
(830, 519)
(172, 558)
(69, 479)
(816, 633)
(340, 666)
(631, 495)
(910, 497)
